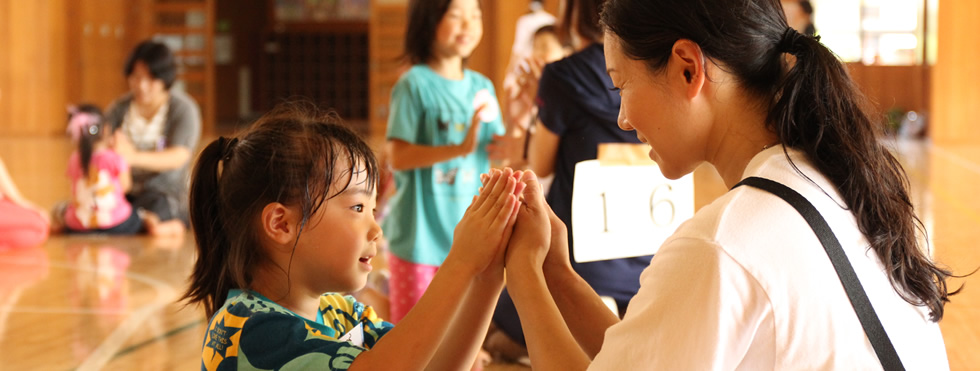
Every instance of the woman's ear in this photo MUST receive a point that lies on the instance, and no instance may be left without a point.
(686, 65)
(280, 224)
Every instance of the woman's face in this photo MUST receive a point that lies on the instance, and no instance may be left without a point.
(655, 104)
(146, 89)
(460, 30)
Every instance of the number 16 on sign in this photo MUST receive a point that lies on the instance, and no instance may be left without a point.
(626, 211)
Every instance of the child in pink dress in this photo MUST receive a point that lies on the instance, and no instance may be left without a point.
(100, 178)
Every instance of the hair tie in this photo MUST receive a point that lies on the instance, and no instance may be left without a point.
(791, 42)
(82, 122)
(227, 146)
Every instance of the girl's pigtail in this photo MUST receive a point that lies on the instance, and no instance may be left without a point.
(210, 280)
(85, 129)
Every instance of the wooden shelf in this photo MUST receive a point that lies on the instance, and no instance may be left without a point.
(172, 30)
(180, 7)
(338, 26)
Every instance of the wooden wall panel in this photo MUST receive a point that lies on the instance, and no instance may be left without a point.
(386, 40)
(955, 93)
(32, 71)
(99, 41)
(904, 87)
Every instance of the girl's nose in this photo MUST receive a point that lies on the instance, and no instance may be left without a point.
(375, 233)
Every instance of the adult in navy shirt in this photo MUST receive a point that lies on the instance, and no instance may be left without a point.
(577, 110)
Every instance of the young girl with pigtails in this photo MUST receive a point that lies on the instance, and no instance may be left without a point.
(283, 215)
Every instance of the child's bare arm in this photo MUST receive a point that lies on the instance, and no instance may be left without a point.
(413, 343)
(407, 156)
(468, 330)
(126, 180)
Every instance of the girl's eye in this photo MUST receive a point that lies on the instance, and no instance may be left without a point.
(617, 90)
(358, 208)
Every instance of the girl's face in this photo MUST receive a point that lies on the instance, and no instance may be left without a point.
(654, 104)
(460, 30)
(146, 89)
(547, 48)
(334, 252)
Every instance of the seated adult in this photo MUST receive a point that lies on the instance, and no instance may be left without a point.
(157, 130)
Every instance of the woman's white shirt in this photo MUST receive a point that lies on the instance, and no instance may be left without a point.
(745, 284)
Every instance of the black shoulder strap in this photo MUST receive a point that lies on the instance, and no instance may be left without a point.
(852, 286)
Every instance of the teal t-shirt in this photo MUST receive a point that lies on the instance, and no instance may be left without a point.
(251, 332)
(431, 110)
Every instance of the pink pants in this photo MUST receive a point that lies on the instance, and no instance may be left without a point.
(407, 284)
(20, 227)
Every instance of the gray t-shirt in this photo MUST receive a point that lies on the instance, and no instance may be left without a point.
(182, 127)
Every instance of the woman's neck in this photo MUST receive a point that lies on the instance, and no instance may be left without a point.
(147, 111)
(583, 44)
(742, 134)
(448, 67)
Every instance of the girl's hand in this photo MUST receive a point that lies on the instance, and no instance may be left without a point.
(472, 139)
(480, 234)
(496, 267)
(531, 239)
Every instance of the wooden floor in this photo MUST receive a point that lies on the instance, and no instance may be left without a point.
(109, 303)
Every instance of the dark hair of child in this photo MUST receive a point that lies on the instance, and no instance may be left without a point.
(290, 156)
(90, 132)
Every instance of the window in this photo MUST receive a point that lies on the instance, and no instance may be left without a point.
(877, 32)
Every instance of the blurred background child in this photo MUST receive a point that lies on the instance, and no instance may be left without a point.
(99, 179)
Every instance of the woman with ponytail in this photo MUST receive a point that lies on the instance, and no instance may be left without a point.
(746, 283)
(283, 215)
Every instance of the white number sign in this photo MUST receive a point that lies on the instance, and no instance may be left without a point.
(626, 210)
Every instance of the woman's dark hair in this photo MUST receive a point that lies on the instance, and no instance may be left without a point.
(290, 156)
(423, 20)
(586, 16)
(157, 58)
(89, 129)
(813, 106)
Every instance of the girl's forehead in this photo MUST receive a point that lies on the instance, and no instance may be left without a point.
(464, 4)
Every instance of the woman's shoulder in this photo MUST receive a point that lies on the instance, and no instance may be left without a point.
(117, 109)
(180, 101)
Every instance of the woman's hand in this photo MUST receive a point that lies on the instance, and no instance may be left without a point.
(123, 146)
(557, 258)
(531, 239)
(481, 234)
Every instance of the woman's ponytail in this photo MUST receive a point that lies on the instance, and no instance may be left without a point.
(819, 110)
